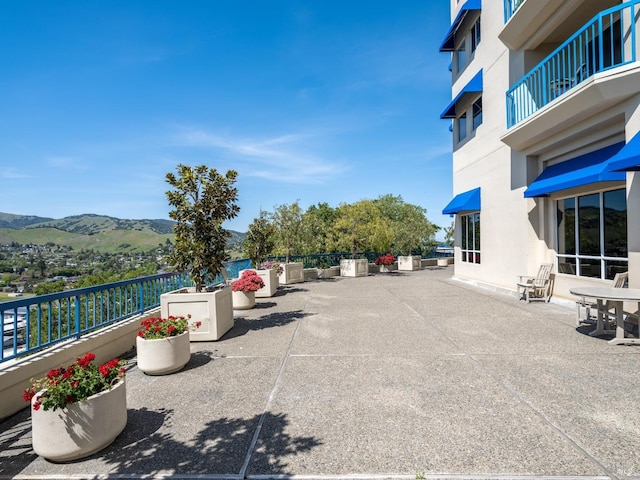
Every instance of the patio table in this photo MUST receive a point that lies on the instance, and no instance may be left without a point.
(617, 296)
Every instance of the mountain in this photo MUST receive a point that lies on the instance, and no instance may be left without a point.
(8, 220)
(89, 231)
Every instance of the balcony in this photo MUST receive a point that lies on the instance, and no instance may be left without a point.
(594, 69)
(535, 23)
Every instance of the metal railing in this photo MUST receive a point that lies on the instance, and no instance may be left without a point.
(607, 41)
(321, 260)
(510, 7)
(35, 323)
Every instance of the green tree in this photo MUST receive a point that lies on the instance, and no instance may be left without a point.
(411, 228)
(316, 224)
(49, 287)
(360, 227)
(202, 199)
(449, 234)
(288, 222)
(260, 239)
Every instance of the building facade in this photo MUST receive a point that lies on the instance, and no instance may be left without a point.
(545, 118)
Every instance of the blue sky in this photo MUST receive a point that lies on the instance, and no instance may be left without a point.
(316, 101)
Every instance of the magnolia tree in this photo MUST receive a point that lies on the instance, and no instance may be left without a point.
(202, 199)
(260, 239)
(287, 220)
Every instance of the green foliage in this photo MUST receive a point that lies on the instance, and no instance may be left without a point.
(288, 222)
(359, 227)
(202, 199)
(316, 223)
(449, 234)
(49, 287)
(260, 239)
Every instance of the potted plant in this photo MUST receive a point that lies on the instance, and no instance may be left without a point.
(244, 290)
(77, 410)
(386, 262)
(202, 199)
(162, 346)
(287, 220)
(270, 272)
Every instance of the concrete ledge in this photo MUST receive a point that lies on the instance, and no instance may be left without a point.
(113, 341)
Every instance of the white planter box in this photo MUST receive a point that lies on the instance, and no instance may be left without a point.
(328, 272)
(443, 262)
(161, 356)
(270, 279)
(292, 272)
(388, 268)
(213, 309)
(354, 267)
(409, 263)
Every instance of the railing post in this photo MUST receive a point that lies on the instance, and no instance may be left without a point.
(141, 296)
(77, 303)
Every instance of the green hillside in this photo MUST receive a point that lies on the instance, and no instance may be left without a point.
(106, 242)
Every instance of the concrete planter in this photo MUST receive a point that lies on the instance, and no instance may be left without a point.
(213, 309)
(270, 279)
(388, 268)
(409, 262)
(81, 429)
(443, 262)
(328, 272)
(243, 300)
(354, 267)
(161, 356)
(292, 272)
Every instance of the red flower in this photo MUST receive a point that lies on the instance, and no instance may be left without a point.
(28, 394)
(36, 405)
(88, 358)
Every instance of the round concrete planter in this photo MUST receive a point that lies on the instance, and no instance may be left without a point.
(443, 262)
(82, 428)
(161, 356)
(387, 268)
(243, 300)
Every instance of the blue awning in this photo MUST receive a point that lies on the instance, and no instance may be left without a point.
(628, 158)
(474, 86)
(447, 44)
(464, 202)
(586, 169)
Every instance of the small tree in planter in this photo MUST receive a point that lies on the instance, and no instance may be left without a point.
(202, 199)
(260, 239)
(288, 222)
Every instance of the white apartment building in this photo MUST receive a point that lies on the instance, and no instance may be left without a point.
(545, 118)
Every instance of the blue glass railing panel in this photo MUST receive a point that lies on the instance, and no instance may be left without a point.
(35, 323)
(510, 7)
(607, 41)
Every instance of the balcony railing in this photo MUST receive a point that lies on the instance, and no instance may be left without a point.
(35, 323)
(607, 41)
(510, 7)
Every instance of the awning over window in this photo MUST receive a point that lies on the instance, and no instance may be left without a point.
(464, 202)
(586, 169)
(628, 158)
(449, 40)
(474, 86)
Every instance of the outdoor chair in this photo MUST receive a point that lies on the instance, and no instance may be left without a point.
(538, 287)
(591, 307)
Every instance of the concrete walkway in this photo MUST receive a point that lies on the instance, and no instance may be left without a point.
(404, 375)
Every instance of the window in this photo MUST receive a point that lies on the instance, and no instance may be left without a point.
(470, 242)
(592, 234)
(477, 113)
(475, 35)
(462, 127)
(461, 56)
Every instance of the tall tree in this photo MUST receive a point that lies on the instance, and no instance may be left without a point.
(202, 199)
(288, 221)
(360, 227)
(260, 239)
(316, 224)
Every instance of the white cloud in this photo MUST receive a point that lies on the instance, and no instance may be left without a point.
(290, 158)
(13, 173)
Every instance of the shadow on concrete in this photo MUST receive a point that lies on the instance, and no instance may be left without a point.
(277, 319)
(286, 289)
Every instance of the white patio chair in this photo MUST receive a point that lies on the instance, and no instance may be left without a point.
(538, 287)
(590, 306)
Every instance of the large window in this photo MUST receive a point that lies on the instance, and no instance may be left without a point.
(475, 35)
(462, 127)
(470, 242)
(461, 56)
(592, 234)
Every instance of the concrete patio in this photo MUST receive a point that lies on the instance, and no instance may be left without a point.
(402, 375)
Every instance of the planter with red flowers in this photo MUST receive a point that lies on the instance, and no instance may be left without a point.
(386, 263)
(162, 346)
(77, 410)
(244, 290)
